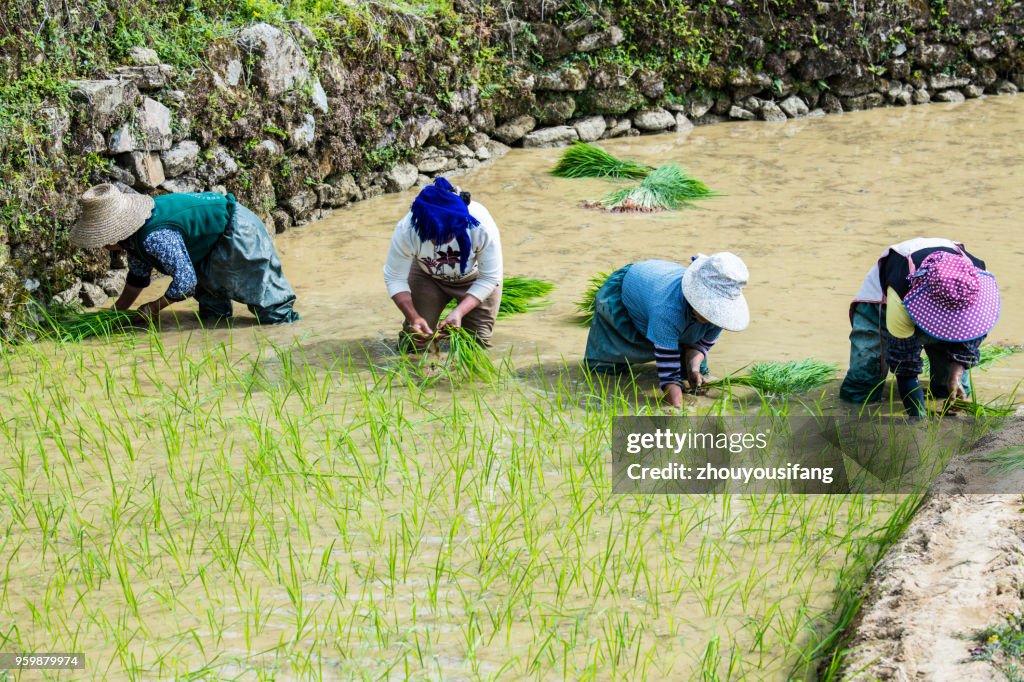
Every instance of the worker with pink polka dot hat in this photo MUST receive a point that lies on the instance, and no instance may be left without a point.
(922, 294)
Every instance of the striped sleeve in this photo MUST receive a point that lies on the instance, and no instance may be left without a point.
(670, 366)
(705, 344)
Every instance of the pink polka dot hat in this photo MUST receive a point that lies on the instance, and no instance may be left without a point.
(951, 299)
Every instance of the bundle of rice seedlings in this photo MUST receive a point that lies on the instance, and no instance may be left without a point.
(983, 410)
(993, 352)
(83, 325)
(782, 378)
(466, 359)
(990, 353)
(582, 160)
(521, 294)
(667, 187)
(585, 306)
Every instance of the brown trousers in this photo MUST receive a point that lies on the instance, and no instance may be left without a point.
(430, 296)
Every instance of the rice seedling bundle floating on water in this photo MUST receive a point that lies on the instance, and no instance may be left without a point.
(582, 160)
(585, 306)
(667, 187)
(519, 295)
(80, 326)
(781, 378)
(523, 294)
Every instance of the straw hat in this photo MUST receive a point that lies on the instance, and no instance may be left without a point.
(951, 299)
(108, 216)
(712, 285)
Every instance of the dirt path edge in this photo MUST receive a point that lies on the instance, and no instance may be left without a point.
(958, 569)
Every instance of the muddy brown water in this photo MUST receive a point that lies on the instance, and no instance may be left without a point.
(808, 204)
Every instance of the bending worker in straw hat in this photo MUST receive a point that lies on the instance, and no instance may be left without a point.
(661, 311)
(446, 248)
(212, 247)
(928, 294)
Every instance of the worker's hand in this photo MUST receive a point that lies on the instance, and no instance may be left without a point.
(421, 331)
(954, 385)
(691, 362)
(150, 311)
(673, 395)
(453, 319)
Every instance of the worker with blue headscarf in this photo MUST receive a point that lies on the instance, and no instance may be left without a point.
(446, 248)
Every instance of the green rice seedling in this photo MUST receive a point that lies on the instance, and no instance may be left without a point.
(79, 326)
(519, 295)
(782, 378)
(667, 188)
(585, 306)
(466, 359)
(990, 354)
(582, 160)
(1006, 460)
(989, 410)
(994, 352)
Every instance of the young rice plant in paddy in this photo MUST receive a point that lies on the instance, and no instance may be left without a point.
(238, 510)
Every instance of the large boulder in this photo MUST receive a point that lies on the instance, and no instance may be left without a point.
(944, 81)
(150, 131)
(218, 166)
(551, 42)
(146, 167)
(933, 55)
(569, 79)
(555, 110)
(146, 78)
(400, 177)
(770, 111)
(301, 205)
(614, 101)
(278, 63)
(556, 136)
(653, 120)
(302, 134)
(142, 56)
(180, 159)
(186, 184)
(514, 130)
(419, 131)
(153, 126)
(597, 41)
(698, 105)
(224, 63)
(821, 64)
(610, 76)
(794, 107)
(92, 295)
(590, 128)
(954, 96)
(106, 102)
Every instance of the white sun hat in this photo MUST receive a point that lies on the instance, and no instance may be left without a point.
(713, 286)
(109, 215)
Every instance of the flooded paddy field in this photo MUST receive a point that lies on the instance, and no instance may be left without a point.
(288, 503)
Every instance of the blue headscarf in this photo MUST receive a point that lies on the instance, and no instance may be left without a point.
(440, 215)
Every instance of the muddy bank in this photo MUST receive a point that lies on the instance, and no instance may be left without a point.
(958, 570)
